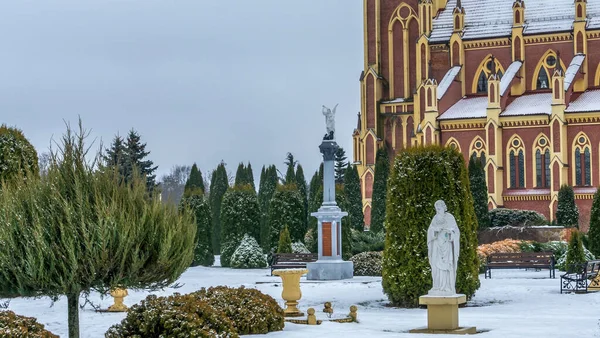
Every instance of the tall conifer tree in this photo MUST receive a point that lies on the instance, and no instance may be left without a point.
(240, 175)
(382, 169)
(353, 198)
(290, 175)
(302, 189)
(218, 187)
(479, 191)
(250, 176)
(267, 188)
(195, 183)
(340, 165)
(567, 213)
(594, 231)
(136, 160)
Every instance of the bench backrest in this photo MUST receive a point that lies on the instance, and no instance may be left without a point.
(295, 257)
(592, 267)
(523, 257)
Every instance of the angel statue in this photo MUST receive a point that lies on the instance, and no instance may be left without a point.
(329, 122)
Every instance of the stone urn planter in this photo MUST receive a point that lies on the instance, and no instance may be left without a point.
(118, 294)
(291, 290)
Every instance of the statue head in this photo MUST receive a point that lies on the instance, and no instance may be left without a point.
(440, 207)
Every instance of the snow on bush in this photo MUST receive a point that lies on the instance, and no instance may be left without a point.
(502, 217)
(13, 325)
(298, 247)
(248, 255)
(367, 263)
(562, 261)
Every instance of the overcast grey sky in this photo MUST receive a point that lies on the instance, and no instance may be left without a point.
(201, 80)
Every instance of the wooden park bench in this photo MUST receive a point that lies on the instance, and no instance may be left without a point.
(292, 260)
(580, 276)
(520, 260)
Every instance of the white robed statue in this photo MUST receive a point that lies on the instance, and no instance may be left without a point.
(443, 244)
(329, 122)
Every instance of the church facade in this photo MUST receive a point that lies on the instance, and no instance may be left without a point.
(516, 83)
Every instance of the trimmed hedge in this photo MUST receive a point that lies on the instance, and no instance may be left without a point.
(367, 263)
(14, 325)
(420, 176)
(516, 218)
(17, 156)
(250, 311)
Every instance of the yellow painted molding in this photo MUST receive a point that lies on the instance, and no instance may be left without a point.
(484, 44)
(543, 39)
(466, 124)
(515, 198)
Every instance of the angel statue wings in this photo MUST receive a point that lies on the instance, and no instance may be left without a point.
(329, 122)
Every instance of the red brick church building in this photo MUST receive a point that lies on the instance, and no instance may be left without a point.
(515, 81)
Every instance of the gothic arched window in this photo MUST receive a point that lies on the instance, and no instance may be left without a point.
(516, 161)
(582, 159)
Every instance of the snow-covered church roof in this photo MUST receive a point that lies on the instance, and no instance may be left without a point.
(494, 18)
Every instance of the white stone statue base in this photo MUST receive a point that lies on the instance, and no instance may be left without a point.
(330, 270)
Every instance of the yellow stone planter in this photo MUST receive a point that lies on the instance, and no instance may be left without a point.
(291, 290)
(118, 295)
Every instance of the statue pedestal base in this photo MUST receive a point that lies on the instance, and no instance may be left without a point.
(442, 315)
(330, 270)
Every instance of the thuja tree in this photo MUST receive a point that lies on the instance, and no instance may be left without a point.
(342, 202)
(419, 177)
(198, 205)
(302, 190)
(382, 170)
(78, 230)
(479, 191)
(218, 186)
(575, 252)
(195, 183)
(315, 199)
(594, 231)
(353, 198)
(285, 241)
(17, 155)
(240, 215)
(286, 208)
(267, 186)
(567, 214)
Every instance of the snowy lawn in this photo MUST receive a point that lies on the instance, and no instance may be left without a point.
(515, 303)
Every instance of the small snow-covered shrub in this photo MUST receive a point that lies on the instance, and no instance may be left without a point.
(227, 249)
(248, 255)
(367, 263)
(250, 311)
(13, 325)
(558, 248)
(561, 263)
(298, 247)
(503, 217)
(178, 316)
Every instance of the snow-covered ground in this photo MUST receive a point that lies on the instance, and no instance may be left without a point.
(515, 303)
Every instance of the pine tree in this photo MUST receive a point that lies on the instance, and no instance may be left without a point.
(340, 165)
(84, 231)
(302, 189)
(195, 183)
(594, 231)
(240, 215)
(116, 154)
(286, 208)
(382, 169)
(17, 156)
(567, 214)
(290, 176)
(240, 175)
(268, 185)
(218, 187)
(479, 191)
(575, 252)
(353, 198)
(419, 178)
(340, 199)
(250, 176)
(198, 205)
(135, 155)
(285, 241)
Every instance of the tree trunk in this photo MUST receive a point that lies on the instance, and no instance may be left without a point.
(73, 306)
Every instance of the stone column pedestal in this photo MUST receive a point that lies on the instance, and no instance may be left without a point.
(442, 315)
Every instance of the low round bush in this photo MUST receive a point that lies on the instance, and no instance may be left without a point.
(174, 316)
(250, 311)
(367, 263)
(17, 155)
(248, 255)
(512, 217)
(14, 325)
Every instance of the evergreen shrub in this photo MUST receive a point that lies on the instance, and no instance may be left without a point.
(419, 177)
(380, 190)
(203, 252)
(299, 247)
(17, 156)
(177, 316)
(250, 311)
(14, 325)
(567, 213)
(248, 255)
(367, 263)
(479, 190)
(286, 208)
(285, 241)
(576, 252)
(517, 218)
(593, 235)
(363, 241)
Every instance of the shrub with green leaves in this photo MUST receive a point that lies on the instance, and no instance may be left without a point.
(286, 208)
(364, 241)
(479, 190)
(517, 218)
(576, 252)
(367, 263)
(285, 241)
(594, 231)
(567, 213)
(178, 316)
(248, 255)
(14, 325)
(419, 177)
(17, 156)
(240, 215)
(250, 311)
